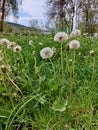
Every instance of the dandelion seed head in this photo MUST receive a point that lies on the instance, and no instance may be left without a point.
(11, 45)
(5, 68)
(60, 37)
(30, 42)
(46, 52)
(74, 44)
(17, 48)
(4, 41)
(75, 33)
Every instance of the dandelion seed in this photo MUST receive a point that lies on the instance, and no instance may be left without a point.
(17, 48)
(60, 37)
(74, 44)
(46, 52)
(4, 41)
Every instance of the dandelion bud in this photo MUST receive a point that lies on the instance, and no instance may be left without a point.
(34, 53)
(54, 49)
(36, 70)
(3, 68)
(14, 94)
(40, 43)
(92, 53)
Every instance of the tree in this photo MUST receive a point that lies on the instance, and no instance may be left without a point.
(63, 12)
(33, 23)
(89, 12)
(70, 13)
(7, 6)
(56, 11)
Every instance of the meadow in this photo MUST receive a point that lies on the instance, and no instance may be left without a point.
(55, 93)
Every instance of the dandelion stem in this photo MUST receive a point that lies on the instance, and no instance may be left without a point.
(93, 66)
(74, 55)
(11, 81)
(72, 74)
(62, 64)
(67, 64)
(21, 58)
(53, 69)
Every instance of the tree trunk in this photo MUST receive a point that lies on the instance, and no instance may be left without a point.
(86, 25)
(75, 15)
(2, 16)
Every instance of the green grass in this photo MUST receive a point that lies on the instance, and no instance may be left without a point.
(31, 100)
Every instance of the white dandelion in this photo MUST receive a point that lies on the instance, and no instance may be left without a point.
(75, 33)
(46, 52)
(74, 44)
(30, 42)
(60, 37)
(4, 41)
(11, 45)
(17, 48)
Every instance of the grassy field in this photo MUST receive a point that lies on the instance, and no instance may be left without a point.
(57, 93)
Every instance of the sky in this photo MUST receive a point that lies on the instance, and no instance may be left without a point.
(30, 9)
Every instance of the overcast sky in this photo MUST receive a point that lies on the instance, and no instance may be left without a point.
(30, 9)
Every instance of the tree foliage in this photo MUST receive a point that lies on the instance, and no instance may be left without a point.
(70, 12)
(7, 7)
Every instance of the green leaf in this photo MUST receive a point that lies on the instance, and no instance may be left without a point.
(59, 105)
